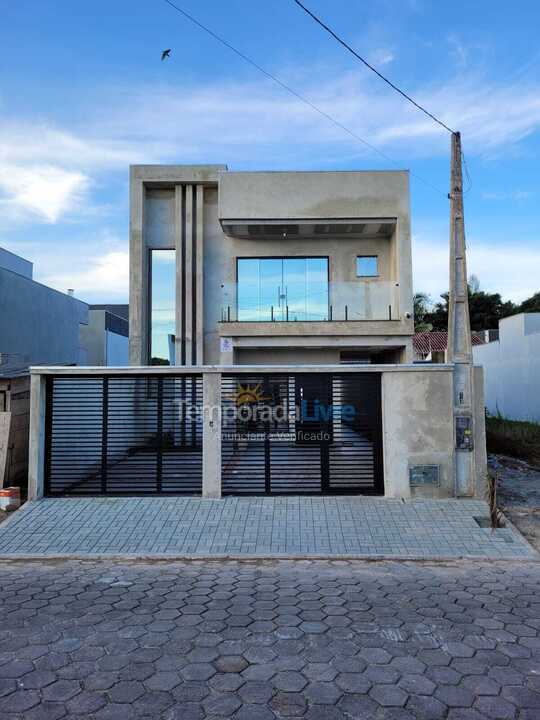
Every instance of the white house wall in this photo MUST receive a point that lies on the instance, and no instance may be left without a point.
(512, 368)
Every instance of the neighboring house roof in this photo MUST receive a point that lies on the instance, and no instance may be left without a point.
(122, 310)
(437, 340)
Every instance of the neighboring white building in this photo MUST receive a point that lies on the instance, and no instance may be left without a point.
(512, 368)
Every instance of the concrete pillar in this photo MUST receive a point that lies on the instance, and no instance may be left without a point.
(199, 274)
(36, 445)
(178, 244)
(211, 484)
(138, 277)
(188, 275)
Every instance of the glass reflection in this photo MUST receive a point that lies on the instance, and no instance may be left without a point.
(162, 307)
(282, 289)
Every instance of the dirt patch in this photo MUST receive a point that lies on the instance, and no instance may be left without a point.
(519, 494)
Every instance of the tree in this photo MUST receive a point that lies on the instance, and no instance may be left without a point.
(532, 304)
(485, 310)
(421, 311)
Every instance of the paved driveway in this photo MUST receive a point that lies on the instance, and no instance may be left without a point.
(267, 526)
(323, 640)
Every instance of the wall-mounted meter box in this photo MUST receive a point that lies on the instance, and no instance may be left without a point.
(464, 434)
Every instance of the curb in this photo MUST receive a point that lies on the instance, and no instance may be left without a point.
(250, 557)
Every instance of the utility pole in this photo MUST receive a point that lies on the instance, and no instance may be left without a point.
(459, 331)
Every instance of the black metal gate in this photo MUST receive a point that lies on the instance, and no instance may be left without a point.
(123, 434)
(305, 433)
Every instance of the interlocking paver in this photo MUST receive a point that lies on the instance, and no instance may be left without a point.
(421, 642)
(240, 525)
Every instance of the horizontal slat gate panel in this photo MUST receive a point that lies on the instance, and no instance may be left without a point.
(182, 436)
(243, 443)
(124, 435)
(74, 419)
(297, 450)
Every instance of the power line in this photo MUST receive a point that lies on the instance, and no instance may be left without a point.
(296, 94)
(363, 60)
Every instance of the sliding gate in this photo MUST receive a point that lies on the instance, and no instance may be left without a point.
(302, 433)
(131, 434)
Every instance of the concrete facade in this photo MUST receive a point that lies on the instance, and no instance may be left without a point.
(512, 368)
(211, 217)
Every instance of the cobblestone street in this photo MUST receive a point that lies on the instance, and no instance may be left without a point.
(323, 640)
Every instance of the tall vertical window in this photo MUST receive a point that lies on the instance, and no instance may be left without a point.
(162, 306)
(293, 288)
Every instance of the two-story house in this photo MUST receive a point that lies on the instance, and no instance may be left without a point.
(270, 338)
(269, 267)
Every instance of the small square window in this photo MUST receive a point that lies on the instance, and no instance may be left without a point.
(367, 266)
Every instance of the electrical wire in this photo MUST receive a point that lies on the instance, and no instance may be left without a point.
(368, 65)
(296, 94)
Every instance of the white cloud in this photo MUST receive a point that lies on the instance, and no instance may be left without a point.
(382, 56)
(42, 190)
(93, 277)
(458, 51)
(47, 171)
(511, 271)
(517, 195)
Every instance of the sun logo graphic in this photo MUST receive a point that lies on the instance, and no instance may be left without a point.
(246, 394)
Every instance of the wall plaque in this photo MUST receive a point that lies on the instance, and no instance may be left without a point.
(422, 475)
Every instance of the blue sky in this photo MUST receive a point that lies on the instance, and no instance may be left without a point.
(83, 94)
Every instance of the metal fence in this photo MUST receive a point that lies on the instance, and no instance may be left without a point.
(123, 435)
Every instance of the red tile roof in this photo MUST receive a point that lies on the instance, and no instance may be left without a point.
(437, 340)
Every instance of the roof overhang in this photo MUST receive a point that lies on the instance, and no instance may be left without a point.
(270, 229)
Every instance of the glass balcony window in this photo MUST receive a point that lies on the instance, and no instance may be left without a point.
(282, 289)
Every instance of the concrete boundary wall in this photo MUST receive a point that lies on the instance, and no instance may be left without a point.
(417, 416)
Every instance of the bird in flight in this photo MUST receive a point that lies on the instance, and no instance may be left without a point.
(165, 54)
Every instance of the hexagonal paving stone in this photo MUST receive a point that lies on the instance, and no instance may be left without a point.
(426, 707)
(417, 684)
(455, 696)
(254, 712)
(163, 681)
(86, 703)
(7, 686)
(354, 682)
(231, 663)
(61, 690)
(126, 691)
(388, 695)
(288, 704)
(37, 679)
(222, 704)
(496, 708)
(289, 681)
(358, 706)
(19, 701)
(15, 669)
(322, 693)
(198, 671)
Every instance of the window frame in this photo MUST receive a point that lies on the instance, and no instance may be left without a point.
(149, 299)
(286, 257)
(370, 257)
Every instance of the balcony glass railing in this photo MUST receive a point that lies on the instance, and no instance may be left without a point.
(330, 302)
